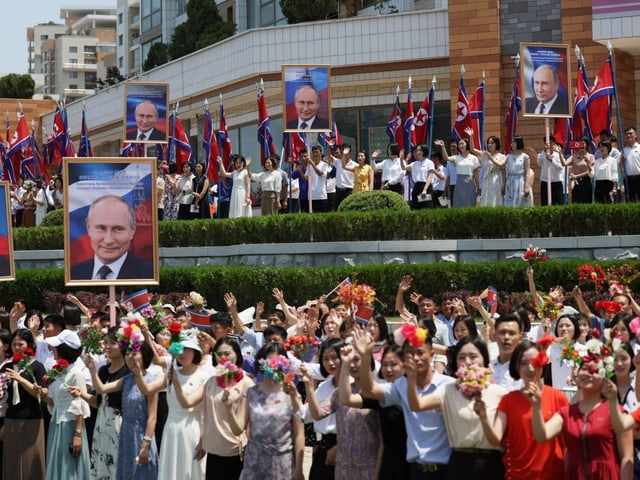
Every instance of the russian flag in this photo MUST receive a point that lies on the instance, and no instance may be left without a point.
(89, 181)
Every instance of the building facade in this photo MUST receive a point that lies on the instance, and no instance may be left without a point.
(370, 55)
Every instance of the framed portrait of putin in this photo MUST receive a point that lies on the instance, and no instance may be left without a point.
(7, 266)
(111, 230)
(146, 108)
(306, 96)
(545, 75)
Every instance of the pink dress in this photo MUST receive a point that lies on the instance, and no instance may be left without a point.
(592, 450)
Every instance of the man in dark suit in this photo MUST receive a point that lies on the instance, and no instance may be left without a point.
(307, 102)
(549, 98)
(111, 225)
(146, 115)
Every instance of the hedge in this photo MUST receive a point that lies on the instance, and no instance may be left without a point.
(456, 223)
(250, 284)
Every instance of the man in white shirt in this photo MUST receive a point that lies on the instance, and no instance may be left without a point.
(631, 159)
(549, 159)
(317, 175)
(508, 330)
(450, 171)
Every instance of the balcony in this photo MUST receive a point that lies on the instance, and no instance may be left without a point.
(78, 92)
(617, 22)
(79, 67)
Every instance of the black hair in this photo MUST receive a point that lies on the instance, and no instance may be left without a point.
(38, 314)
(26, 335)
(466, 142)
(173, 167)
(625, 318)
(476, 342)
(235, 346)
(223, 318)
(430, 326)
(628, 129)
(391, 348)
(574, 320)
(71, 314)
(112, 334)
(68, 353)
(516, 357)
(279, 314)
(393, 149)
(437, 154)
(519, 142)
(5, 320)
(334, 344)
(509, 317)
(55, 320)
(606, 144)
(626, 346)
(469, 322)
(495, 140)
(5, 339)
(267, 349)
(275, 330)
(523, 311)
(147, 354)
(383, 327)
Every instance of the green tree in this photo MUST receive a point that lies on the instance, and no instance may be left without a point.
(15, 85)
(297, 11)
(158, 55)
(204, 26)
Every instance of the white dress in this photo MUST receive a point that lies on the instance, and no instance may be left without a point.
(514, 189)
(237, 207)
(491, 182)
(182, 432)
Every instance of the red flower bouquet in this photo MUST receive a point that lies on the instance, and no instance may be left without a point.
(227, 373)
(534, 255)
(301, 346)
(60, 369)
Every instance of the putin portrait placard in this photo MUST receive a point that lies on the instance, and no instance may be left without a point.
(111, 232)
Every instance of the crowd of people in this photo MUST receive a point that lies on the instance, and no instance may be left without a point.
(453, 392)
(30, 200)
(462, 176)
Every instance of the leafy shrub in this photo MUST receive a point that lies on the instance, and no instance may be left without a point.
(373, 200)
(54, 218)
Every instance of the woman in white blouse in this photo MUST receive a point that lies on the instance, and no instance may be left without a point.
(271, 184)
(421, 174)
(605, 174)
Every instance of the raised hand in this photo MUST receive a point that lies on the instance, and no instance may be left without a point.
(408, 317)
(362, 341)
(347, 353)
(305, 375)
(405, 283)
(230, 301)
(609, 390)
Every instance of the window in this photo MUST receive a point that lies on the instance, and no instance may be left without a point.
(120, 40)
(73, 61)
(182, 7)
(73, 75)
(44, 37)
(73, 49)
(120, 18)
(151, 13)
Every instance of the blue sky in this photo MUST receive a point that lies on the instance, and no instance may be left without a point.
(26, 13)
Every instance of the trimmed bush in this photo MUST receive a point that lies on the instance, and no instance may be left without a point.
(55, 218)
(373, 200)
(250, 284)
(444, 223)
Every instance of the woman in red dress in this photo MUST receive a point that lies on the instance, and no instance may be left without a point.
(593, 448)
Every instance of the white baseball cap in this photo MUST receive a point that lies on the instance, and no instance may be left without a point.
(68, 337)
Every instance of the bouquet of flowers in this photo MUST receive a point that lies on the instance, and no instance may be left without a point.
(624, 274)
(197, 301)
(277, 368)
(471, 380)
(549, 308)
(155, 318)
(227, 373)
(91, 340)
(541, 359)
(408, 332)
(175, 342)
(22, 362)
(129, 335)
(534, 255)
(598, 355)
(59, 369)
(358, 295)
(589, 273)
(301, 346)
(610, 308)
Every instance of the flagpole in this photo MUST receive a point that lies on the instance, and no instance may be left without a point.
(618, 119)
(221, 156)
(431, 101)
(514, 106)
(482, 141)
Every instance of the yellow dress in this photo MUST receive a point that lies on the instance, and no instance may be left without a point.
(361, 178)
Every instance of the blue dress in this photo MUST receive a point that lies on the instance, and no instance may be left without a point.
(134, 422)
